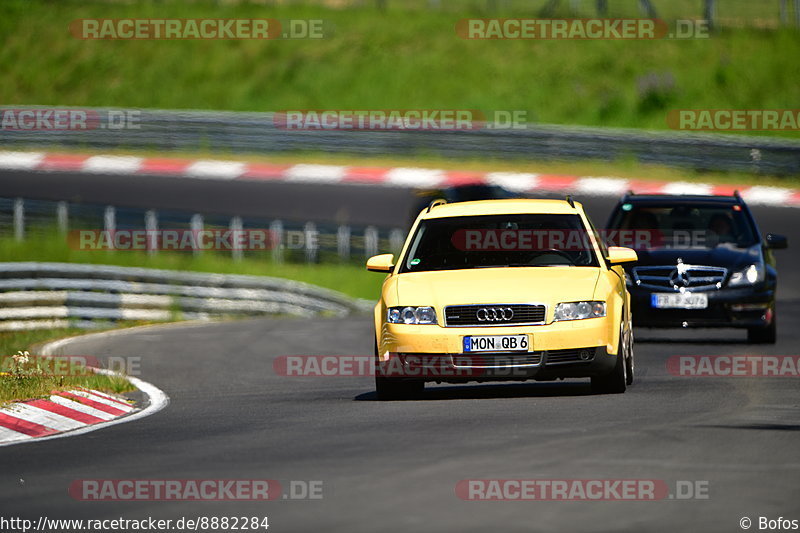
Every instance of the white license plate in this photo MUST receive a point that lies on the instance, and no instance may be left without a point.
(496, 343)
(678, 300)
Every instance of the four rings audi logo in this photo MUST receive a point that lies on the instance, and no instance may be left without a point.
(495, 314)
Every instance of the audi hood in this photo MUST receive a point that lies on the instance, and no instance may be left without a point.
(547, 285)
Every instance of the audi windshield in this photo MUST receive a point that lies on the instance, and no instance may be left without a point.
(497, 241)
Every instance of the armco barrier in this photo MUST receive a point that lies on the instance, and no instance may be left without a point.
(45, 295)
(164, 130)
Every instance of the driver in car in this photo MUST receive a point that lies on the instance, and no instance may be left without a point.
(720, 228)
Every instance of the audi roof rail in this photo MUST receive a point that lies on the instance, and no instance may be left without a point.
(438, 201)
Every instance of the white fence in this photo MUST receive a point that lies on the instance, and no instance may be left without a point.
(311, 241)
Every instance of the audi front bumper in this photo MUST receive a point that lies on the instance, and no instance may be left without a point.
(568, 349)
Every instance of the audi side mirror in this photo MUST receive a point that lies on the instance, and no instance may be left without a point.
(381, 263)
(777, 242)
(619, 254)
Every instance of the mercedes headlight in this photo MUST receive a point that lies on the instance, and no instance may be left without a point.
(580, 310)
(411, 315)
(749, 276)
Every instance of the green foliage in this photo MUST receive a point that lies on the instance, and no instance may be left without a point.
(404, 57)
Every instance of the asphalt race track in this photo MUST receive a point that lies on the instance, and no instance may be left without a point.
(394, 466)
(271, 199)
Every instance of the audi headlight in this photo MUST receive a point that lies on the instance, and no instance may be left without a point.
(580, 310)
(749, 276)
(411, 315)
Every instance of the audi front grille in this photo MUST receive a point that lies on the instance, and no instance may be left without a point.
(494, 315)
(669, 277)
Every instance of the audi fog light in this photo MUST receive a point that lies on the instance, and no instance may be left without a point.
(580, 310)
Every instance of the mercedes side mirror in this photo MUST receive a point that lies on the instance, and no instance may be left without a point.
(777, 242)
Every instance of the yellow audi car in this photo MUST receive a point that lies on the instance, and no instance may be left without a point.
(499, 290)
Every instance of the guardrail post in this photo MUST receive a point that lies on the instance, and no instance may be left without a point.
(797, 13)
(647, 8)
(276, 236)
(343, 242)
(370, 241)
(19, 219)
(110, 220)
(710, 12)
(151, 229)
(755, 157)
(396, 238)
(236, 230)
(196, 225)
(311, 242)
(62, 217)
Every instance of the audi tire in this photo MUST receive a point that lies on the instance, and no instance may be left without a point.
(395, 388)
(630, 369)
(398, 389)
(617, 380)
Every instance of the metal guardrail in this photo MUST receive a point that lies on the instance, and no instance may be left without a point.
(165, 130)
(308, 242)
(46, 295)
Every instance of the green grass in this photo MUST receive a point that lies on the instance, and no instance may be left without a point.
(405, 57)
(28, 384)
(48, 245)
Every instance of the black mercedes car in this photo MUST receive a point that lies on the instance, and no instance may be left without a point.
(467, 192)
(702, 263)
